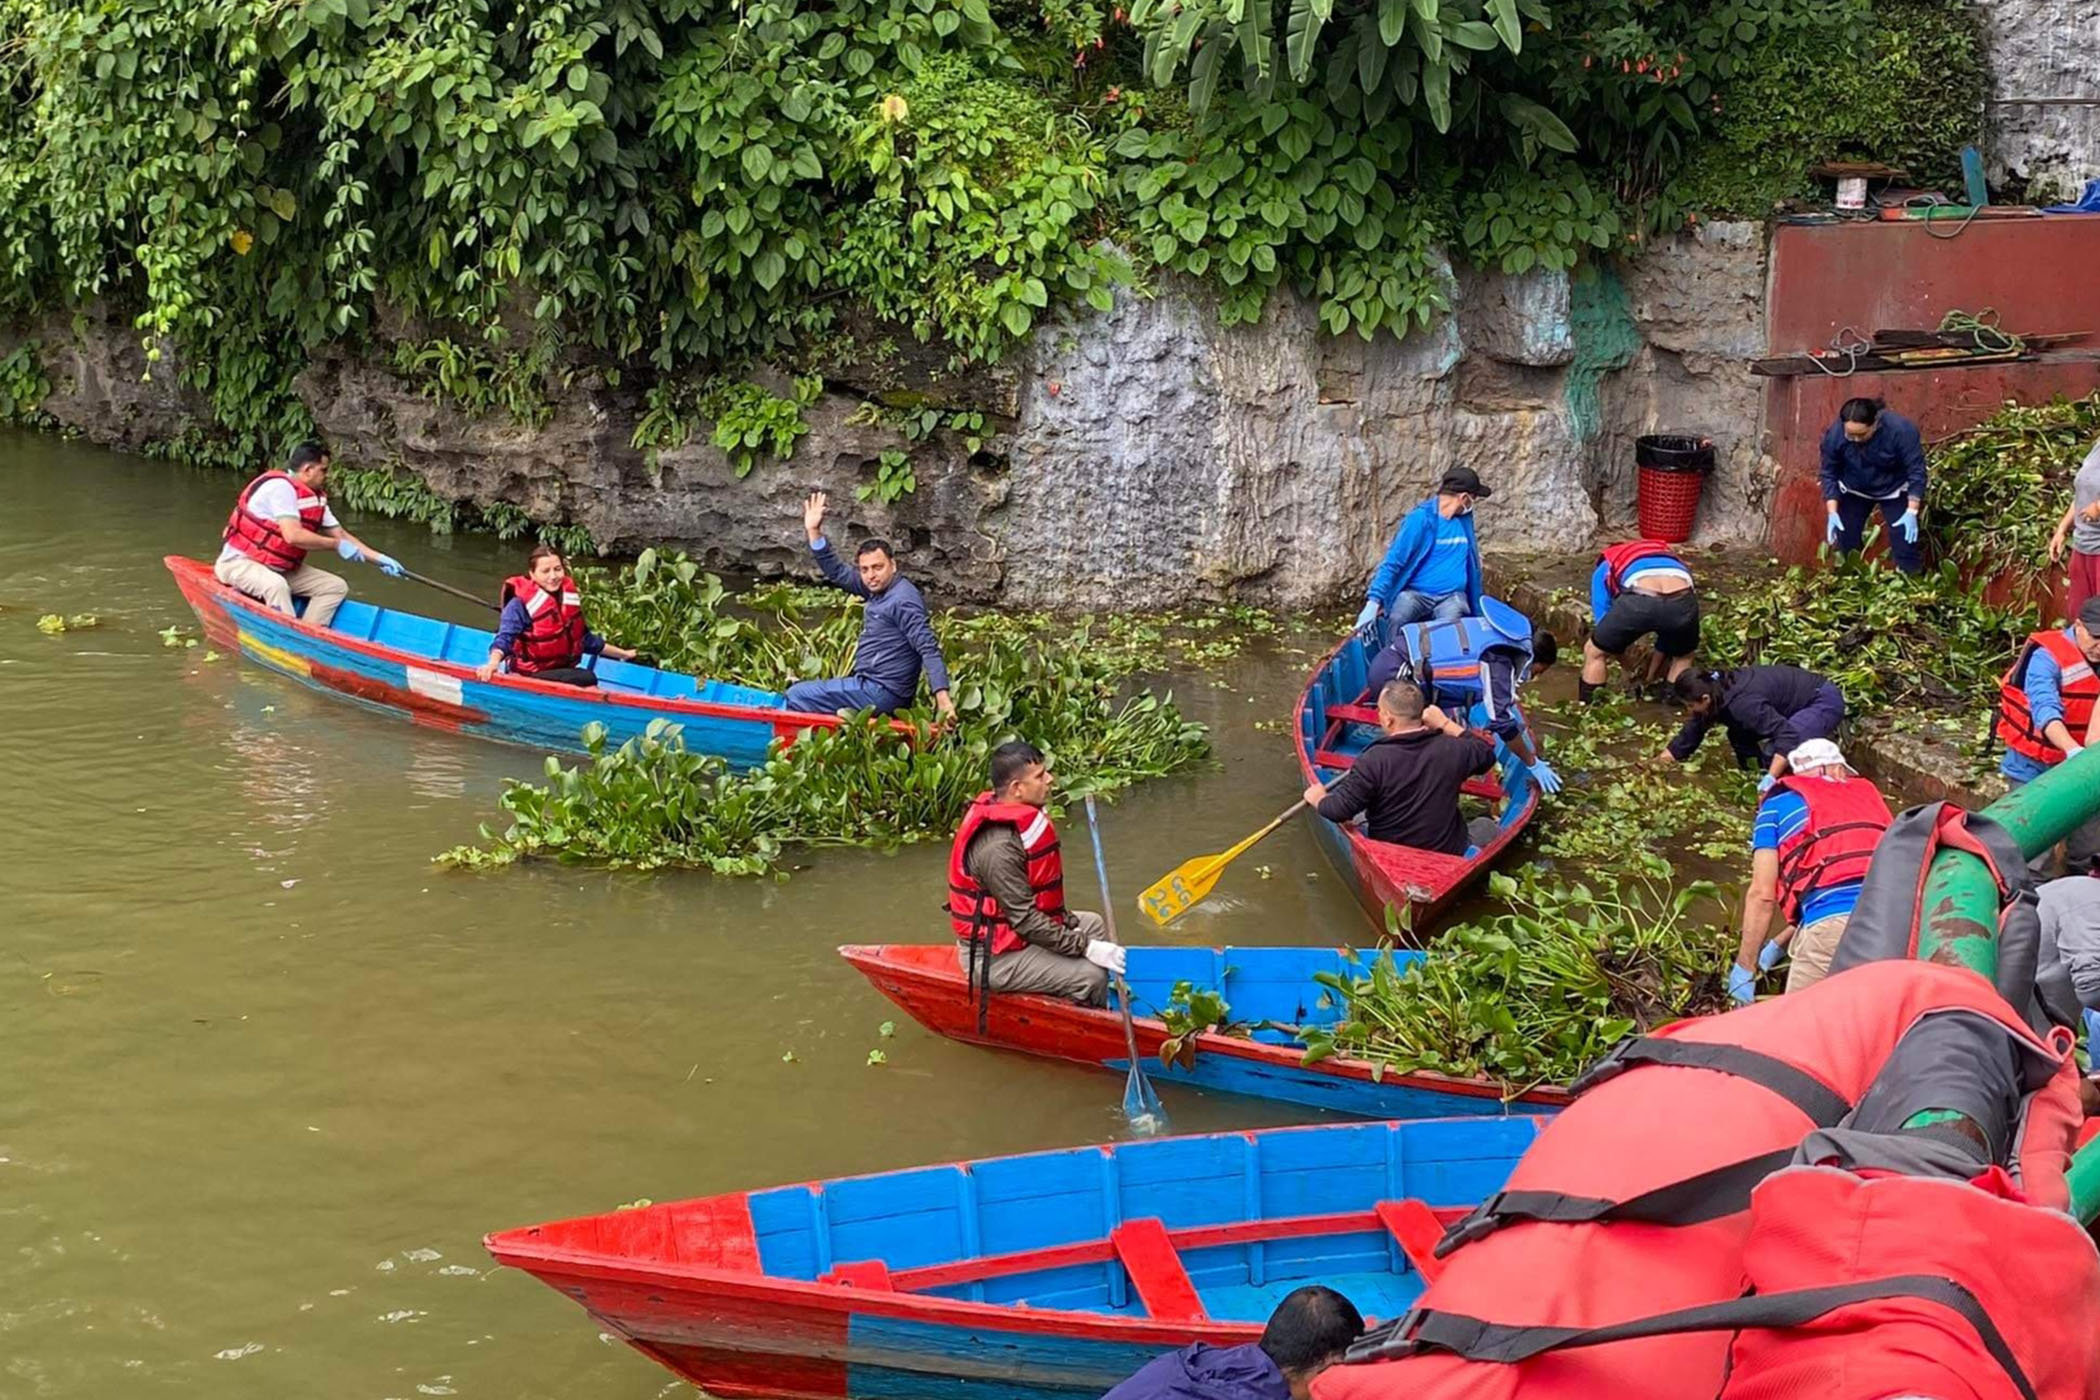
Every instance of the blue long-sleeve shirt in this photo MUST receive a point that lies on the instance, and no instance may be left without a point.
(515, 622)
(2044, 684)
(1423, 532)
(896, 636)
(1890, 463)
(1601, 593)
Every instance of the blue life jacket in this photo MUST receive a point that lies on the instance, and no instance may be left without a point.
(1444, 658)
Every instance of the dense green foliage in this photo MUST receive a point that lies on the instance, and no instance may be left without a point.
(650, 802)
(671, 188)
(1997, 492)
(1535, 994)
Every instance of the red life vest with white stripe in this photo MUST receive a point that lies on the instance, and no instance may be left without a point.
(1636, 1200)
(554, 636)
(260, 539)
(972, 912)
(1618, 557)
(2079, 686)
(1846, 817)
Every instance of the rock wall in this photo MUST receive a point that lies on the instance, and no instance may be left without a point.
(1144, 457)
(2044, 118)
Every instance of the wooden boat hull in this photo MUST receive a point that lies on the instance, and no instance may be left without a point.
(423, 670)
(1421, 884)
(1042, 1277)
(1260, 984)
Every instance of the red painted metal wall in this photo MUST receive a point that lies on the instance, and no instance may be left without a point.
(2041, 275)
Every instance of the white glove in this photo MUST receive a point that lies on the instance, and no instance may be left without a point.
(1368, 616)
(1105, 955)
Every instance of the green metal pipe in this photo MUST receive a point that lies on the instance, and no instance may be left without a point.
(1961, 902)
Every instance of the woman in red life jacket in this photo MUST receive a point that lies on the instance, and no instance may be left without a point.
(541, 632)
(278, 518)
(1815, 834)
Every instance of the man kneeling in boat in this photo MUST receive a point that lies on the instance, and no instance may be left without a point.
(541, 632)
(1408, 780)
(1006, 893)
(896, 637)
(1476, 660)
(280, 516)
(1307, 1333)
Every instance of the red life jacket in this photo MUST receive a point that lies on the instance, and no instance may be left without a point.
(261, 539)
(1634, 1200)
(1617, 557)
(975, 915)
(1845, 820)
(553, 637)
(2080, 687)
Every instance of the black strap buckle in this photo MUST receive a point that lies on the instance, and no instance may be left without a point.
(1484, 1219)
(1388, 1341)
(1616, 1062)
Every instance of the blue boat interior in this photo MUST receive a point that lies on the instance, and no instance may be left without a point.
(1258, 984)
(1337, 722)
(435, 640)
(1004, 1206)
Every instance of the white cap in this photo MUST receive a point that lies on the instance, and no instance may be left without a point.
(1816, 753)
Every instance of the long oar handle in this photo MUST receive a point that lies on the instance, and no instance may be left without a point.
(448, 588)
(1108, 915)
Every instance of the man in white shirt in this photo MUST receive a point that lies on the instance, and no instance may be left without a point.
(278, 518)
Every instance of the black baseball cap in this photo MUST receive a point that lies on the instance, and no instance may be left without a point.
(2089, 613)
(1464, 479)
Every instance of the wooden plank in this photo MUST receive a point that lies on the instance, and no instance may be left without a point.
(1417, 1230)
(1328, 758)
(1155, 1270)
(1354, 714)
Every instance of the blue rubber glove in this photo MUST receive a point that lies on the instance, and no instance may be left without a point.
(1908, 527)
(1764, 784)
(349, 550)
(1768, 957)
(1368, 616)
(1831, 526)
(1542, 773)
(1742, 984)
(388, 565)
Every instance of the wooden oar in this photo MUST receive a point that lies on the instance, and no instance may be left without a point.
(448, 588)
(1190, 881)
(1141, 1104)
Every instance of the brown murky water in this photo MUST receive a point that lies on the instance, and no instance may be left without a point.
(270, 1076)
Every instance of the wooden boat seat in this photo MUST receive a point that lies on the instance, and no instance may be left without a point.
(1487, 788)
(1354, 714)
(1416, 1229)
(870, 1274)
(1155, 1269)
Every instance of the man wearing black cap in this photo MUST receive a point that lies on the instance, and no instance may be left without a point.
(1432, 570)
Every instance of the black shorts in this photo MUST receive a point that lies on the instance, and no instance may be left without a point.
(1672, 617)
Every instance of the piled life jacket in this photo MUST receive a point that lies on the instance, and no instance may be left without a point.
(553, 635)
(1634, 1204)
(972, 912)
(1444, 658)
(2080, 687)
(1617, 558)
(1845, 820)
(260, 539)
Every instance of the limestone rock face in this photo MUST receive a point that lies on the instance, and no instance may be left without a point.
(2045, 95)
(1143, 457)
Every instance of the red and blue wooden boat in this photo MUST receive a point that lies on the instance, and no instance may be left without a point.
(1039, 1277)
(1337, 720)
(1261, 985)
(422, 668)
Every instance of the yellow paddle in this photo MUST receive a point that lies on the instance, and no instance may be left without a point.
(1192, 880)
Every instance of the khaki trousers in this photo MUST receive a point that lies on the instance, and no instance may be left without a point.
(323, 591)
(1040, 972)
(1808, 957)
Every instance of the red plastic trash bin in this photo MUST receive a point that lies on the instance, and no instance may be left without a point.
(1672, 471)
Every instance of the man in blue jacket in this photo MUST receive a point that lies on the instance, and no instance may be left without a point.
(1872, 457)
(896, 636)
(1307, 1333)
(1432, 570)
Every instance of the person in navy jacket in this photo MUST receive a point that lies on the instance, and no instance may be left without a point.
(1307, 1333)
(1873, 457)
(1431, 571)
(896, 636)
